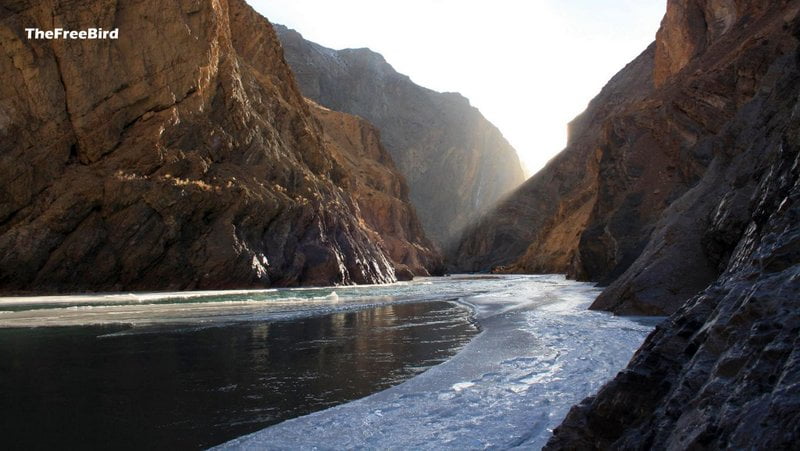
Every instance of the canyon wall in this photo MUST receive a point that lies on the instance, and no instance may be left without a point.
(538, 227)
(369, 176)
(457, 163)
(180, 156)
(620, 204)
(723, 371)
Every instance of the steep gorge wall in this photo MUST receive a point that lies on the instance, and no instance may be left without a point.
(616, 205)
(369, 176)
(180, 156)
(538, 227)
(723, 371)
(729, 71)
(457, 164)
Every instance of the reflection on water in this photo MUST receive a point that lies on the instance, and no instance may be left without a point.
(91, 387)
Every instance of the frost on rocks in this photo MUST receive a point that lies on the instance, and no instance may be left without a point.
(540, 352)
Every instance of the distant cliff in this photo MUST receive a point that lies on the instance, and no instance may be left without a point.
(457, 164)
(367, 173)
(180, 156)
(538, 228)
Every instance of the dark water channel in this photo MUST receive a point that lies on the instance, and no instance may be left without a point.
(96, 387)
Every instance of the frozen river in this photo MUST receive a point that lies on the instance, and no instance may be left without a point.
(462, 362)
(540, 352)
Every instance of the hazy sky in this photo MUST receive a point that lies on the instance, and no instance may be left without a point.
(530, 66)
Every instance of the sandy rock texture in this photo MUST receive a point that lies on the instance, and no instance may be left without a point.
(180, 156)
(457, 164)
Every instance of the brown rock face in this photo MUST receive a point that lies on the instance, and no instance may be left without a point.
(457, 164)
(619, 204)
(691, 26)
(538, 227)
(692, 240)
(179, 156)
(723, 372)
(369, 176)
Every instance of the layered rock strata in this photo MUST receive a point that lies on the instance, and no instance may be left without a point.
(179, 156)
(457, 163)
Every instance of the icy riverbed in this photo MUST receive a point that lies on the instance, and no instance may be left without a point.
(540, 352)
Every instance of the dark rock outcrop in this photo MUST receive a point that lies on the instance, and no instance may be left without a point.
(621, 205)
(180, 156)
(457, 164)
(723, 372)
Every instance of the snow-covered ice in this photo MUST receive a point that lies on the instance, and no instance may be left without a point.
(540, 352)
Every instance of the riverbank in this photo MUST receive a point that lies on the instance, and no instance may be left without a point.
(540, 352)
(191, 370)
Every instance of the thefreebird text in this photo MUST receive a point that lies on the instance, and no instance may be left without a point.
(60, 33)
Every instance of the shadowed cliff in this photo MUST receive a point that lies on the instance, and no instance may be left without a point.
(368, 174)
(723, 371)
(457, 163)
(624, 204)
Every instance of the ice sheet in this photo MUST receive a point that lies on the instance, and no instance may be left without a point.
(541, 351)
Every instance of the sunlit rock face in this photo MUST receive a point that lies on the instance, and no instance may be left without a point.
(180, 156)
(538, 227)
(643, 198)
(370, 177)
(457, 164)
(690, 27)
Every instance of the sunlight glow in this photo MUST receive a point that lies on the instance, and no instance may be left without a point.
(530, 66)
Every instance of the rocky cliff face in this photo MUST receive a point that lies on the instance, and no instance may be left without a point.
(538, 227)
(723, 371)
(692, 240)
(368, 174)
(620, 204)
(180, 156)
(457, 164)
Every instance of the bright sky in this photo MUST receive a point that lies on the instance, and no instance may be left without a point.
(530, 66)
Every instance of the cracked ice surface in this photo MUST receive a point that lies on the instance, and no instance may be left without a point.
(540, 352)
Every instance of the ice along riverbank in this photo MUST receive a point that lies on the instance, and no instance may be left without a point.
(540, 352)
